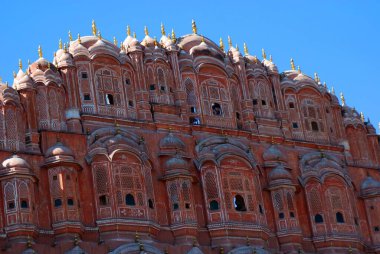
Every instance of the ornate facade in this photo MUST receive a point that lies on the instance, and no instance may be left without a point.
(178, 146)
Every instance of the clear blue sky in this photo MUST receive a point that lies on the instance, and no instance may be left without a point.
(338, 39)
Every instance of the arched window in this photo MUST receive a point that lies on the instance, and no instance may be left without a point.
(216, 109)
(318, 218)
(150, 204)
(239, 203)
(130, 200)
(214, 205)
(339, 217)
(314, 126)
(58, 202)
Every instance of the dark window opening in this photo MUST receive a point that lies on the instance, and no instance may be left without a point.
(87, 97)
(216, 109)
(55, 177)
(318, 218)
(11, 205)
(291, 214)
(187, 206)
(376, 229)
(84, 75)
(331, 130)
(261, 209)
(150, 204)
(339, 217)
(314, 126)
(193, 109)
(372, 207)
(254, 101)
(171, 90)
(237, 115)
(109, 99)
(239, 203)
(356, 221)
(175, 206)
(103, 200)
(281, 215)
(194, 121)
(68, 177)
(70, 202)
(130, 200)
(24, 204)
(58, 202)
(327, 110)
(291, 105)
(263, 102)
(214, 205)
(295, 125)
(130, 103)
(162, 88)
(127, 81)
(152, 87)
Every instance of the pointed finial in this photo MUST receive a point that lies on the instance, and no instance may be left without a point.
(134, 35)
(20, 64)
(60, 44)
(14, 74)
(325, 85)
(114, 41)
(237, 47)
(39, 51)
(299, 69)
(332, 90)
(128, 30)
(162, 29)
(28, 62)
(202, 38)
(79, 40)
(146, 31)
(99, 35)
(221, 45)
(7, 84)
(255, 59)
(270, 58)
(245, 49)
(70, 36)
(65, 48)
(174, 39)
(292, 64)
(48, 65)
(194, 26)
(263, 53)
(94, 30)
(155, 41)
(316, 77)
(362, 117)
(343, 100)
(229, 41)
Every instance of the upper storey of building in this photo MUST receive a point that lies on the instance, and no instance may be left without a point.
(187, 81)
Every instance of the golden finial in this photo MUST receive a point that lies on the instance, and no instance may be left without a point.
(14, 74)
(255, 59)
(146, 31)
(245, 49)
(99, 35)
(94, 28)
(65, 48)
(299, 69)
(48, 65)
(202, 38)
(162, 29)
(229, 41)
(343, 100)
(362, 117)
(221, 45)
(174, 39)
(270, 58)
(40, 51)
(155, 41)
(292, 64)
(20, 64)
(237, 47)
(60, 44)
(332, 90)
(79, 40)
(263, 53)
(70, 36)
(114, 41)
(134, 35)
(316, 77)
(194, 26)
(128, 31)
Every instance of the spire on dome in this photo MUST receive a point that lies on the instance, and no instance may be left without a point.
(237, 47)
(263, 53)
(128, 31)
(270, 58)
(221, 45)
(343, 100)
(299, 69)
(229, 41)
(20, 64)
(134, 35)
(245, 49)
(292, 64)
(99, 35)
(40, 51)
(332, 90)
(362, 117)
(202, 38)
(14, 74)
(60, 44)
(325, 85)
(194, 26)
(316, 78)
(70, 36)
(162, 29)
(94, 30)
(146, 31)
(79, 40)
(174, 39)
(114, 41)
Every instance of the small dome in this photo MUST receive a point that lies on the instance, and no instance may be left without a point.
(148, 41)
(270, 65)
(15, 162)
(59, 149)
(170, 142)
(279, 173)
(370, 185)
(204, 49)
(175, 163)
(273, 154)
(22, 81)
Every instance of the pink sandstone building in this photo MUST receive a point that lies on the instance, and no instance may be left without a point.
(179, 145)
